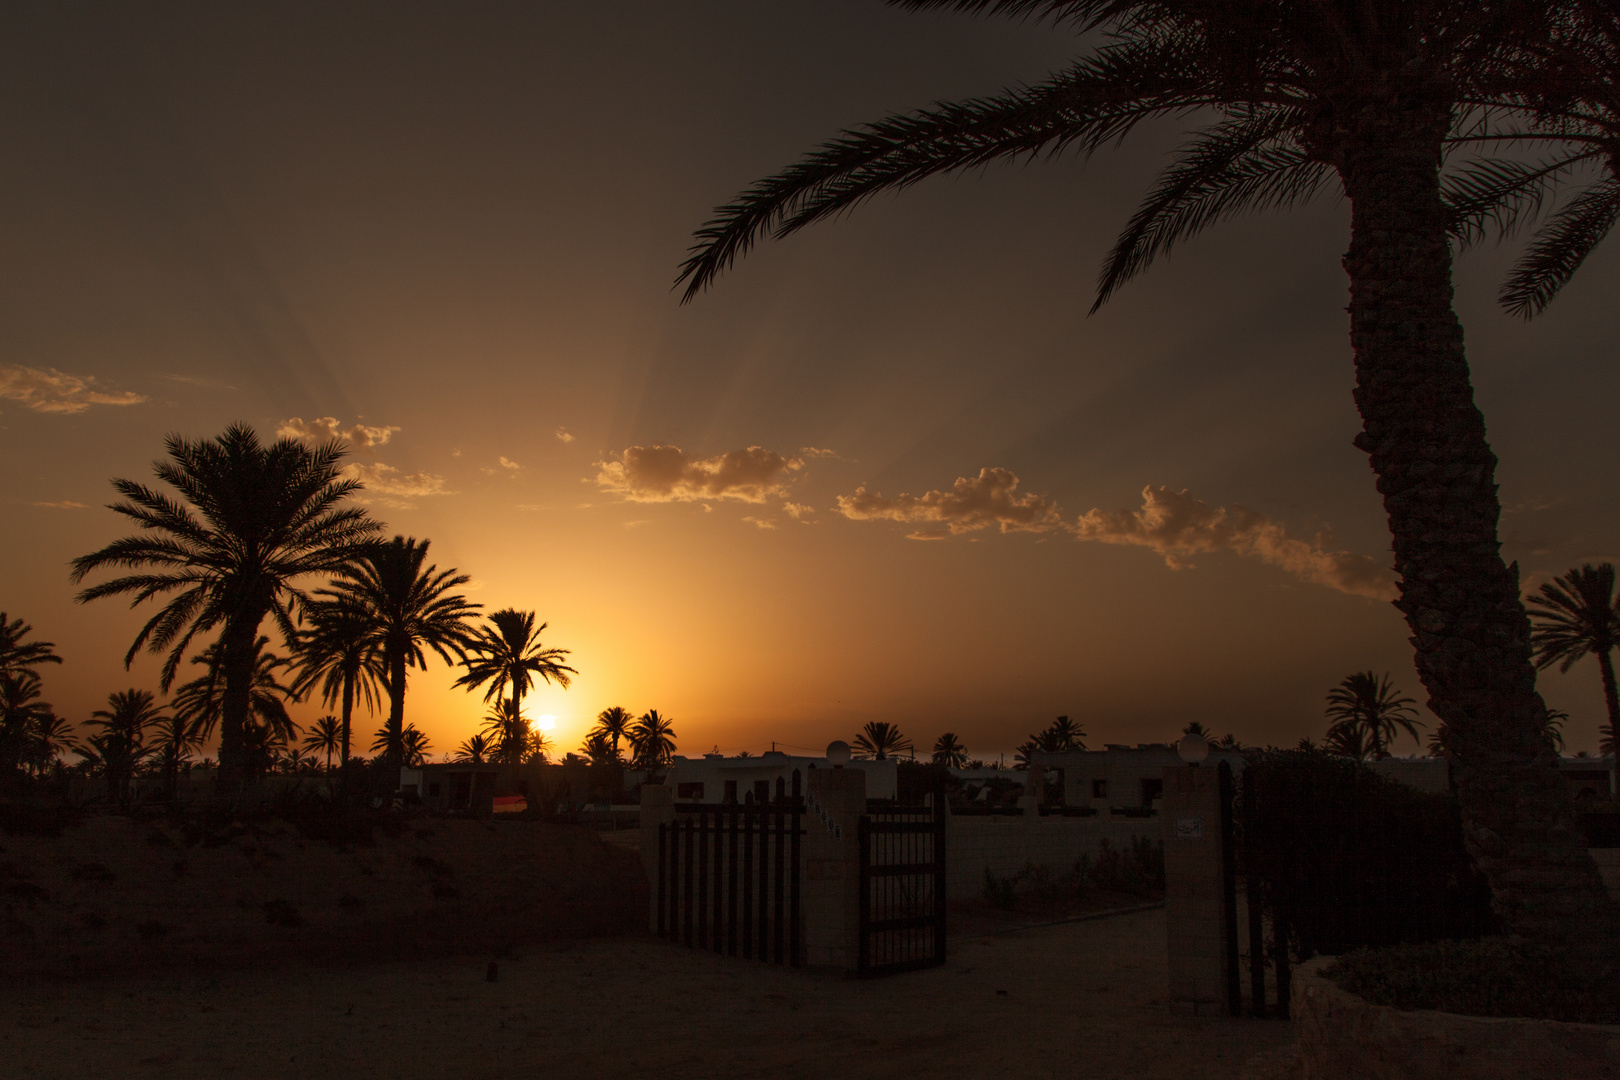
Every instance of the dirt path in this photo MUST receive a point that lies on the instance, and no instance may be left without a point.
(1079, 1000)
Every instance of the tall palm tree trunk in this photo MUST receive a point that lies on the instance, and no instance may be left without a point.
(396, 706)
(351, 672)
(1436, 472)
(1612, 701)
(239, 653)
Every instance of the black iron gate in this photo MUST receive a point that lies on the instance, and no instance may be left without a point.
(902, 889)
(728, 876)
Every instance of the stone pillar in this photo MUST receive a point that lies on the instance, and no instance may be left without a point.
(1194, 904)
(830, 897)
(657, 808)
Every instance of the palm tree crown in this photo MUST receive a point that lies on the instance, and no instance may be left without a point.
(249, 522)
(413, 609)
(1578, 615)
(337, 650)
(613, 724)
(507, 653)
(879, 740)
(19, 655)
(1365, 711)
(652, 740)
(949, 751)
(202, 700)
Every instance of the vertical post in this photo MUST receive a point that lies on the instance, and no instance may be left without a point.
(731, 890)
(748, 877)
(1253, 895)
(657, 821)
(1234, 974)
(703, 878)
(941, 813)
(781, 856)
(796, 827)
(675, 880)
(831, 869)
(716, 939)
(864, 877)
(764, 926)
(1194, 902)
(686, 889)
(1280, 933)
(659, 900)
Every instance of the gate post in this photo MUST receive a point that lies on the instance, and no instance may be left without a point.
(836, 799)
(657, 808)
(1194, 896)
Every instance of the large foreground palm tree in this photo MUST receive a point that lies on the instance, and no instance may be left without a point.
(247, 522)
(413, 608)
(1297, 98)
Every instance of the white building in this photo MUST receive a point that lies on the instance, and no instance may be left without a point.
(715, 778)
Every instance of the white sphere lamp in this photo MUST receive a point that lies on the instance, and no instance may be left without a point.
(1193, 749)
(838, 753)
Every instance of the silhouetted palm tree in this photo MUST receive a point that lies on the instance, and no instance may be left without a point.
(413, 608)
(325, 737)
(1578, 615)
(1365, 711)
(249, 522)
(507, 654)
(1364, 93)
(599, 750)
(202, 700)
(511, 735)
(18, 655)
(120, 746)
(652, 741)
(174, 740)
(474, 750)
(414, 747)
(949, 751)
(1194, 727)
(337, 649)
(1067, 735)
(613, 724)
(23, 720)
(879, 740)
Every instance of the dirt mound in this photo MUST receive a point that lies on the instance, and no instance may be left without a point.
(118, 894)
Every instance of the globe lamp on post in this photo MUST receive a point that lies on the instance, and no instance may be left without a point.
(1194, 749)
(838, 753)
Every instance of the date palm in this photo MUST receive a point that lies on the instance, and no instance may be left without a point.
(474, 750)
(54, 737)
(1297, 99)
(613, 724)
(1365, 711)
(19, 655)
(174, 739)
(949, 751)
(23, 718)
(337, 650)
(1576, 616)
(325, 736)
(598, 749)
(121, 744)
(413, 608)
(880, 740)
(202, 700)
(245, 525)
(652, 740)
(508, 656)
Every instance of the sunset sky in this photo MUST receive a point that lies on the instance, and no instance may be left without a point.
(886, 470)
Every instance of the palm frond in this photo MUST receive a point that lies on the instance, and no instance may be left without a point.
(1560, 248)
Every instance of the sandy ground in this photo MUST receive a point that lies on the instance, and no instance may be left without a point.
(1083, 999)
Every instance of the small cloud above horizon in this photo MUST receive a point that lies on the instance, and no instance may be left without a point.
(668, 474)
(321, 429)
(65, 504)
(508, 463)
(48, 390)
(389, 487)
(990, 499)
(564, 436)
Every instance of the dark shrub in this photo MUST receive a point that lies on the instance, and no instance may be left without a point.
(1347, 859)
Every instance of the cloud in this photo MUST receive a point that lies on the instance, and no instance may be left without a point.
(192, 380)
(387, 485)
(798, 512)
(991, 498)
(508, 463)
(816, 452)
(47, 390)
(761, 523)
(327, 427)
(563, 436)
(65, 504)
(668, 474)
(1176, 526)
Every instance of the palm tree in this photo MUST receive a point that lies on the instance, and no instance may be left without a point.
(879, 740)
(202, 700)
(120, 746)
(1364, 93)
(1194, 727)
(652, 741)
(338, 650)
(22, 720)
(599, 750)
(1575, 616)
(474, 750)
(507, 654)
(325, 737)
(413, 608)
(1067, 735)
(1365, 711)
(415, 746)
(613, 724)
(249, 523)
(949, 751)
(19, 655)
(175, 739)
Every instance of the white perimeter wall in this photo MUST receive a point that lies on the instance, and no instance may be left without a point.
(1006, 844)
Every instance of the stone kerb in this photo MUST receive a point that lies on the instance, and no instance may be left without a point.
(1343, 1037)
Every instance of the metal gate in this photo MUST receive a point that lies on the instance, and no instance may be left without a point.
(902, 889)
(728, 876)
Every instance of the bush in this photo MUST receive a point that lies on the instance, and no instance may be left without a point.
(1139, 871)
(1346, 859)
(1494, 976)
(1000, 891)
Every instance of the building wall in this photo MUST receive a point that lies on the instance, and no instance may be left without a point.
(713, 772)
(1006, 844)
